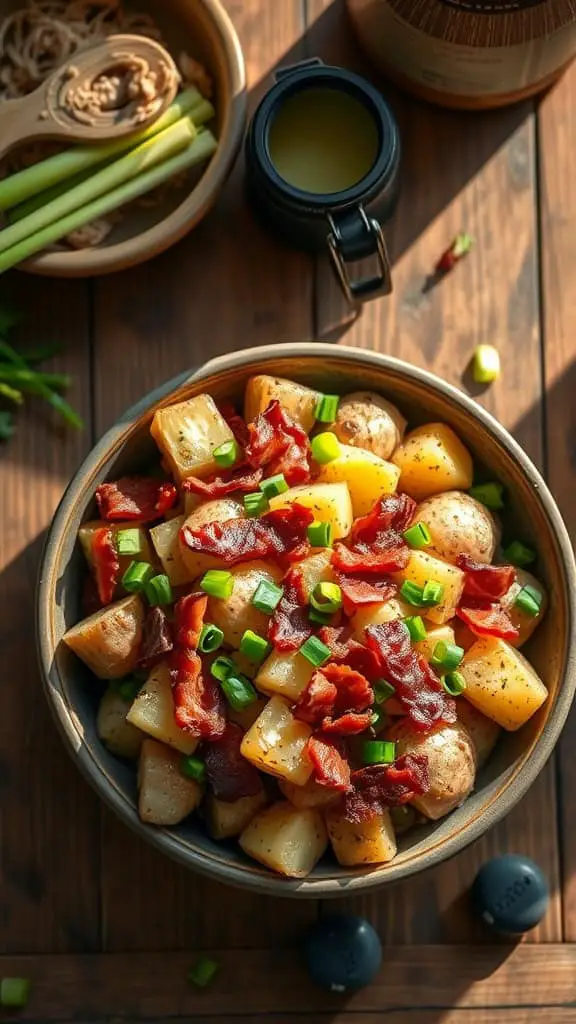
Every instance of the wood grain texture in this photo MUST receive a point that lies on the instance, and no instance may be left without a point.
(557, 133)
(499, 1015)
(49, 818)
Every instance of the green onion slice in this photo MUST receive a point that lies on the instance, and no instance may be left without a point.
(203, 972)
(211, 638)
(454, 683)
(446, 656)
(193, 768)
(379, 719)
(326, 597)
(217, 583)
(136, 576)
(416, 628)
(383, 690)
(315, 651)
(255, 504)
(267, 596)
(159, 590)
(14, 992)
(378, 752)
(326, 408)
(128, 689)
(519, 554)
(418, 536)
(222, 667)
(491, 495)
(226, 454)
(238, 691)
(253, 646)
(412, 593)
(321, 618)
(129, 542)
(432, 593)
(320, 535)
(529, 600)
(485, 364)
(274, 485)
(325, 447)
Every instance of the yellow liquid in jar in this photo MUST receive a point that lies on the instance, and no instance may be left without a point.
(323, 140)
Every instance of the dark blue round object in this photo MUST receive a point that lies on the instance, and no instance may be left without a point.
(343, 953)
(511, 894)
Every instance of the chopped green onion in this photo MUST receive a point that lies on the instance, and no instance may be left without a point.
(490, 494)
(14, 992)
(267, 596)
(326, 597)
(325, 447)
(255, 504)
(321, 618)
(222, 667)
(379, 719)
(274, 485)
(454, 683)
(203, 972)
(158, 590)
(315, 651)
(446, 656)
(193, 768)
(378, 752)
(320, 534)
(433, 593)
(519, 554)
(529, 600)
(211, 638)
(128, 689)
(226, 454)
(238, 691)
(253, 646)
(217, 583)
(412, 593)
(418, 536)
(416, 628)
(383, 690)
(486, 364)
(129, 542)
(136, 576)
(326, 408)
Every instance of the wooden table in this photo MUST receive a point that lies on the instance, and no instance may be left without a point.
(87, 910)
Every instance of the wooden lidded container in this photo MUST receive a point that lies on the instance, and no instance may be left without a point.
(471, 54)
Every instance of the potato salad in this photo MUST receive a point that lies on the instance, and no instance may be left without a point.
(306, 623)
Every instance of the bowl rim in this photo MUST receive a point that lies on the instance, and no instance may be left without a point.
(257, 878)
(161, 236)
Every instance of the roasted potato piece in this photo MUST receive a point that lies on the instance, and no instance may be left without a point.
(312, 794)
(296, 399)
(459, 525)
(284, 672)
(366, 420)
(109, 641)
(187, 434)
(153, 712)
(285, 839)
(330, 503)
(277, 742)
(165, 796)
(369, 842)
(482, 730)
(525, 623)
(236, 613)
(501, 683)
(217, 511)
(433, 459)
(121, 738)
(228, 819)
(367, 475)
(165, 538)
(451, 764)
(423, 567)
(436, 634)
(375, 614)
(246, 718)
(86, 534)
(317, 568)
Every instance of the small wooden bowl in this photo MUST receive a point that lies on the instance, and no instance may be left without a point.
(204, 30)
(518, 757)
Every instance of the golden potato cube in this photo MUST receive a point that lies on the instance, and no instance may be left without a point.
(501, 683)
(376, 614)
(286, 673)
(165, 538)
(370, 842)
(187, 434)
(121, 738)
(277, 742)
(235, 614)
(220, 511)
(330, 503)
(423, 567)
(367, 475)
(432, 459)
(312, 794)
(165, 796)
(153, 712)
(296, 399)
(228, 819)
(109, 641)
(285, 839)
(437, 634)
(246, 718)
(523, 621)
(315, 569)
(482, 730)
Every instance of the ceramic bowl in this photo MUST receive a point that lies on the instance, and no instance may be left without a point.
(204, 30)
(518, 757)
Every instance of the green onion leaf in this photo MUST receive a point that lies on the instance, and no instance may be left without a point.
(418, 536)
(325, 447)
(203, 972)
(129, 542)
(267, 596)
(255, 504)
(446, 656)
(274, 485)
(320, 618)
(519, 554)
(412, 593)
(454, 683)
(238, 691)
(14, 992)
(416, 628)
(326, 408)
(320, 534)
(136, 576)
(222, 667)
(217, 583)
(378, 752)
(485, 364)
(193, 768)
(158, 590)
(253, 646)
(432, 593)
(211, 638)
(226, 454)
(326, 597)
(315, 651)
(379, 719)
(128, 689)
(529, 600)
(383, 690)
(491, 495)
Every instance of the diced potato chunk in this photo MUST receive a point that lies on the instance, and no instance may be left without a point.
(187, 434)
(220, 511)
(432, 459)
(423, 567)
(376, 614)
(482, 730)
(523, 621)
(109, 641)
(286, 673)
(165, 538)
(296, 399)
(235, 614)
(285, 839)
(451, 758)
(165, 796)
(330, 503)
(225, 819)
(121, 738)
(501, 683)
(317, 568)
(276, 743)
(436, 635)
(153, 712)
(369, 842)
(86, 535)
(246, 718)
(368, 476)
(312, 794)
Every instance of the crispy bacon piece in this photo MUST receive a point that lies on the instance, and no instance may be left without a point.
(290, 626)
(236, 480)
(361, 589)
(198, 700)
(380, 786)
(376, 541)
(488, 582)
(230, 775)
(135, 498)
(279, 444)
(351, 723)
(331, 768)
(346, 650)
(157, 639)
(280, 534)
(105, 563)
(418, 689)
(336, 698)
(235, 422)
(346, 561)
(317, 700)
(487, 618)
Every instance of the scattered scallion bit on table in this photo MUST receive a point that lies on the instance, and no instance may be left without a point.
(485, 364)
(14, 993)
(203, 971)
(460, 247)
